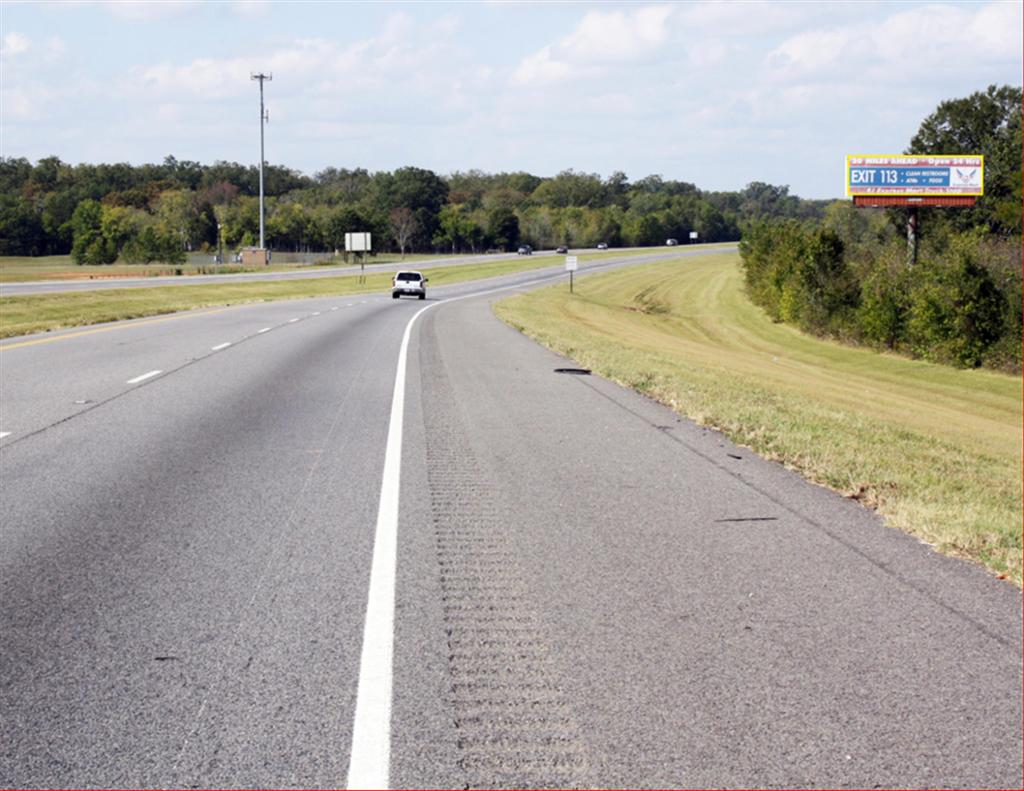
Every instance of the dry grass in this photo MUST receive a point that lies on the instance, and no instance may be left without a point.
(936, 450)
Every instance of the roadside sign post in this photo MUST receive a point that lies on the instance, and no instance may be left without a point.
(570, 267)
(693, 237)
(359, 243)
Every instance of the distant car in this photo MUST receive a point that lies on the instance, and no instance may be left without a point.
(562, 249)
(602, 246)
(410, 284)
(525, 250)
(671, 242)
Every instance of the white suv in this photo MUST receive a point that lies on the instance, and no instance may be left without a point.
(412, 284)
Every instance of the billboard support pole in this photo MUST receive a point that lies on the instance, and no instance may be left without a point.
(912, 236)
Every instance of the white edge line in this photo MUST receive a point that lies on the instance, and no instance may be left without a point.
(370, 757)
(265, 329)
(219, 347)
(138, 379)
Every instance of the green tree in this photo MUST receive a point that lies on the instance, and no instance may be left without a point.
(885, 302)
(403, 226)
(121, 224)
(956, 312)
(289, 226)
(423, 193)
(340, 221)
(570, 188)
(21, 232)
(503, 228)
(241, 221)
(154, 244)
(178, 215)
(989, 123)
(536, 227)
(14, 174)
(89, 245)
(455, 229)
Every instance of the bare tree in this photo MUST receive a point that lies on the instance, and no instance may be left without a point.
(403, 226)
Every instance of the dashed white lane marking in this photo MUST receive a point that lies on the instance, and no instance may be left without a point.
(219, 347)
(316, 312)
(142, 378)
(4, 434)
(265, 329)
(335, 307)
(292, 321)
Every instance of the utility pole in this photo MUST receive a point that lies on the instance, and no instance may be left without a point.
(263, 118)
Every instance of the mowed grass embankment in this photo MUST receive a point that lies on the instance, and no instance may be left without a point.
(23, 315)
(936, 450)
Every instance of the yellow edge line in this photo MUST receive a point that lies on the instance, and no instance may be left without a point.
(118, 326)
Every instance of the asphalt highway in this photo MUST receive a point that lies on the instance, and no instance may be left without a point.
(55, 286)
(588, 591)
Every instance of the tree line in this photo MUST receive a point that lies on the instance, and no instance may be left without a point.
(159, 212)
(848, 275)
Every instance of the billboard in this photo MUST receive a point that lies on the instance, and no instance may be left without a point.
(915, 175)
(357, 242)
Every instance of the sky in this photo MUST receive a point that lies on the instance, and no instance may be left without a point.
(719, 94)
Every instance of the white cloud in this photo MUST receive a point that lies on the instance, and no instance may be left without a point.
(908, 44)
(810, 53)
(55, 47)
(741, 19)
(251, 9)
(24, 104)
(541, 69)
(407, 70)
(16, 44)
(168, 113)
(219, 78)
(149, 10)
(602, 38)
(617, 36)
(447, 25)
(710, 52)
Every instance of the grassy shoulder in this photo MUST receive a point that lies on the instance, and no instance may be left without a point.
(936, 450)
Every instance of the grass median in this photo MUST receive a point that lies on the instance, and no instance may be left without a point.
(22, 269)
(935, 450)
(23, 315)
